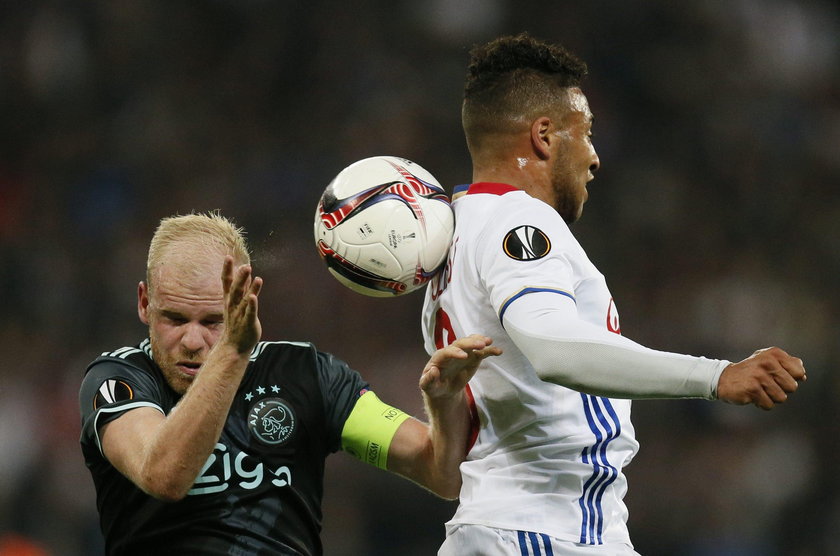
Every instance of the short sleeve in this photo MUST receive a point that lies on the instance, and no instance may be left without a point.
(526, 249)
(109, 389)
(341, 387)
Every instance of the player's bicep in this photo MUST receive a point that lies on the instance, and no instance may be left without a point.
(124, 440)
(535, 301)
(411, 441)
(370, 430)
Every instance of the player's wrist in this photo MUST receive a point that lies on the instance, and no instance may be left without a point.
(242, 343)
(441, 403)
(229, 354)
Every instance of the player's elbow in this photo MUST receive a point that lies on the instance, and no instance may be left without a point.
(165, 487)
(561, 377)
(441, 479)
(446, 487)
(451, 492)
(167, 493)
(550, 371)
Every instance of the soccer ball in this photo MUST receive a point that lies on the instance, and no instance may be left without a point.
(383, 226)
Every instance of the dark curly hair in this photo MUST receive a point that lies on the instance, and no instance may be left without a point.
(513, 77)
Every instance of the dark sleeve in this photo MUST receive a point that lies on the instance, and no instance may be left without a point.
(341, 387)
(110, 388)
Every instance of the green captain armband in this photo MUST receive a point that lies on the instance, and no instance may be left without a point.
(369, 429)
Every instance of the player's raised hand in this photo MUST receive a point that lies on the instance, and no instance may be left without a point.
(765, 378)
(450, 368)
(241, 289)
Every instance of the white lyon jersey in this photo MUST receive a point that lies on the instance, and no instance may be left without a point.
(546, 458)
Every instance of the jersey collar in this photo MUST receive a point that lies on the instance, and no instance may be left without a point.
(482, 187)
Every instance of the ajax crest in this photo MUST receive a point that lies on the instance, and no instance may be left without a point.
(271, 421)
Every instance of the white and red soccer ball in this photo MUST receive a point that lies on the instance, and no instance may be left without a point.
(383, 226)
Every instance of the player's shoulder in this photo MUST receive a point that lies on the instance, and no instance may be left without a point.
(526, 228)
(520, 207)
(137, 357)
(298, 358)
(499, 205)
(302, 360)
(288, 352)
(270, 349)
(120, 376)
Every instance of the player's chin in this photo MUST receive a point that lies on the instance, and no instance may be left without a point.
(579, 212)
(179, 381)
(572, 215)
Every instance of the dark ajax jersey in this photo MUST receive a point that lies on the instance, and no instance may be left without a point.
(260, 490)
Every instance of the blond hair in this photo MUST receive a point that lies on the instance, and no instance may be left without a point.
(195, 237)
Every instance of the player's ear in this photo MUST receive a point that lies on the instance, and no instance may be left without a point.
(541, 137)
(143, 302)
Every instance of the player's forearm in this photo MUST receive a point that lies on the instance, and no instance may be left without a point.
(449, 428)
(576, 354)
(187, 437)
(430, 454)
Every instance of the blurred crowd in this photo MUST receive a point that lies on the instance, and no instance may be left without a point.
(715, 217)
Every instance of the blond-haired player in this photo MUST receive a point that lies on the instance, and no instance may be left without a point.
(202, 439)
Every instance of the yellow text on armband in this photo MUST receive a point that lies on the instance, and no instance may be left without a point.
(369, 429)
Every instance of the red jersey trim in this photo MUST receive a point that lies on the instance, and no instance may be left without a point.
(491, 188)
(475, 423)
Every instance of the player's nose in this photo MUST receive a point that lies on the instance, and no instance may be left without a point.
(193, 338)
(595, 162)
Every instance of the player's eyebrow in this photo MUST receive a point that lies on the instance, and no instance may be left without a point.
(175, 315)
(171, 314)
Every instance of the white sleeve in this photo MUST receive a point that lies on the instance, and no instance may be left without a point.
(568, 351)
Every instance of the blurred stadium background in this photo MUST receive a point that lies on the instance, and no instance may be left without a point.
(715, 217)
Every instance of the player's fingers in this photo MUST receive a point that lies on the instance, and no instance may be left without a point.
(429, 376)
(762, 400)
(443, 357)
(227, 274)
(784, 380)
(256, 285)
(424, 376)
(471, 342)
(459, 351)
(491, 351)
(456, 352)
(480, 355)
(776, 392)
(241, 282)
(795, 367)
(252, 308)
(478, 346)
(785, 370)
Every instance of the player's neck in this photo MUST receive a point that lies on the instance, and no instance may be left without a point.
(521, 174)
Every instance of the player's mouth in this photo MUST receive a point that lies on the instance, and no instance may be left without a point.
(188, 367)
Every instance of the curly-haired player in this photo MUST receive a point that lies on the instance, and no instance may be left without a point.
(552, 414)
